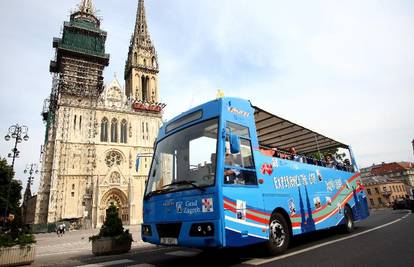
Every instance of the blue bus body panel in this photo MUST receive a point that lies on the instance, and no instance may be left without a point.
(312, 197)
(186, 208)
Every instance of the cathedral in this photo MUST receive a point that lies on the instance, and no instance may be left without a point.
(96, 132)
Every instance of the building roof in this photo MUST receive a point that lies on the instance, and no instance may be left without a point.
(391, 167)
(375, 180)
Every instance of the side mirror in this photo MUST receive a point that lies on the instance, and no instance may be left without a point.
(234, 144)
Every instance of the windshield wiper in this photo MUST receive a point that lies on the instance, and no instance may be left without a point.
(156, 192)
(192, 183)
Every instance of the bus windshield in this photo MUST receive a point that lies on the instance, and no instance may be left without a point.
(185, 160)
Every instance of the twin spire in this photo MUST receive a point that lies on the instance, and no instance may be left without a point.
(141, 35)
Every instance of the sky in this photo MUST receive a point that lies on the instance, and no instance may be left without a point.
(341, 68)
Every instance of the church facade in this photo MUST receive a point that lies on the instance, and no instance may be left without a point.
(94, 133)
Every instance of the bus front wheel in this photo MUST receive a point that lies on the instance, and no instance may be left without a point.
(279, 234)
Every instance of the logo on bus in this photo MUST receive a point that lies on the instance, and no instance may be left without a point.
(179, 207)
(238, 111)
(267, 168)
(207, 205)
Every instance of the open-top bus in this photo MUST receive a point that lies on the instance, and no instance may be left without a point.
(216, 180)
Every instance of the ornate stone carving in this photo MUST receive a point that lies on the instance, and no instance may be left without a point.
(115, 178)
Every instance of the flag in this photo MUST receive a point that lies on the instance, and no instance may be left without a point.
(137, 162)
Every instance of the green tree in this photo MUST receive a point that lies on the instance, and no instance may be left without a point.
(14, 233)
(6, 177)
(113, 224)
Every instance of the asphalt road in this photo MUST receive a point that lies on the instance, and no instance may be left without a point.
(386, 238)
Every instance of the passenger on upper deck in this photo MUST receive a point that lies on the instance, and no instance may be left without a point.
(275, 152)
(330, 163)
(269, 152)
(295, 155)
(348, 166)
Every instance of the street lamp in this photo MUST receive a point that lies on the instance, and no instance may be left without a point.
(31, 169)
(15, 131)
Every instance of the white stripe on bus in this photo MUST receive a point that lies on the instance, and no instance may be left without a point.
(261, 226)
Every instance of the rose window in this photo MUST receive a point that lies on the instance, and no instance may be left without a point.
(113, 158)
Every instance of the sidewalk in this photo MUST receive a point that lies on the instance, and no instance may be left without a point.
(76, 241)
(74, 247)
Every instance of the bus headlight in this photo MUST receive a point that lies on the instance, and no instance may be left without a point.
(202, 229)
(146, 230)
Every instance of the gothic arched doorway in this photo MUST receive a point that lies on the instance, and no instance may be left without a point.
(120, 200)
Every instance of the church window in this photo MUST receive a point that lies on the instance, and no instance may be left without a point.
(153, 62)
(145, 62)
(114, 131)
(73, 186)
(135, 58)
(113, 158)
(124, 126)
(72, 194)
(74, 123)
(104, 130)
(144, 87)
(80, 122)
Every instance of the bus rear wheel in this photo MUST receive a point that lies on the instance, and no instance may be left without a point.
(279, 234)
(348, 227)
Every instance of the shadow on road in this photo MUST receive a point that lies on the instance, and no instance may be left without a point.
(229, 257)
(157, 256)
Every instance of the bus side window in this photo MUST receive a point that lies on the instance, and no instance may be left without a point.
(246, 153)
(239, 168)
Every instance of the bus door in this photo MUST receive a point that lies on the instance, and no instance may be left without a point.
(243, 205)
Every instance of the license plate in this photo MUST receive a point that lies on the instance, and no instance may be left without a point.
(168, 241)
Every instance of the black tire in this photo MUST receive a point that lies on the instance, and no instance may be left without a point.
(279, 234)
(348, 227)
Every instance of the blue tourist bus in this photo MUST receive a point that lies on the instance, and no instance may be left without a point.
(229, 174)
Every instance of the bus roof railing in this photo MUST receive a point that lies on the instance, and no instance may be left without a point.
(276, 132)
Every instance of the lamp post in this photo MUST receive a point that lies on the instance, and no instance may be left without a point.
(31, 169)
(412, 142)
(19, 133)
